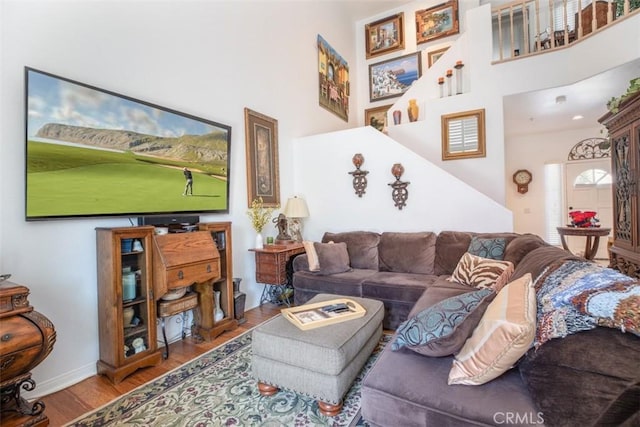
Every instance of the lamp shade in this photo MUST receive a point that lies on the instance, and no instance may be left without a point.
(296, 208)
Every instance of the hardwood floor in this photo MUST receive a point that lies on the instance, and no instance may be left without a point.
(94, 392)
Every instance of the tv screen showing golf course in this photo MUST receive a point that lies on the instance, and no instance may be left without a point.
(91, 152)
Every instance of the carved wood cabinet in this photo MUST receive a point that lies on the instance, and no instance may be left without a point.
(126, 304)
(624, 134)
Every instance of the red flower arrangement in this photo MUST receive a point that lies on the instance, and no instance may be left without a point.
(584, 219)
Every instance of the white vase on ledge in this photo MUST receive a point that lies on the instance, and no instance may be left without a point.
(218, 314)
(259, 242)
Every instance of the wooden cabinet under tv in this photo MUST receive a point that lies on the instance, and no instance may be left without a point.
(124, 348)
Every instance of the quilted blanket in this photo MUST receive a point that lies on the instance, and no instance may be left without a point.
(576, 296)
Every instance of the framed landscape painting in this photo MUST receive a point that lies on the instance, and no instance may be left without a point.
(385, 35)
(393, 77)
(377, 117)
(437, 21)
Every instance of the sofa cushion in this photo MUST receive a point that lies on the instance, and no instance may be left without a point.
(407, 252)
(488, 248)
(404, 388)
(480, 272)
(504, 334)
(332, 257)
(361, 245)
(450, 246)
(442, 329)
(597, 368)
(538, 259)
(520, 246)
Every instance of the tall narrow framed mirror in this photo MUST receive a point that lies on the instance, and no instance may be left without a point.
(463, 135)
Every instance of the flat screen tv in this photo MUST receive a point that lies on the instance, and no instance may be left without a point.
(91, 152)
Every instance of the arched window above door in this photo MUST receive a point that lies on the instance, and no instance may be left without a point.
(592, 178)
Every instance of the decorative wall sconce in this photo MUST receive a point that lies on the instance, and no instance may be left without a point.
(359, 176)
(400, 194)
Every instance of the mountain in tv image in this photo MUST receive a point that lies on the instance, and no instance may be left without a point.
(211, 147)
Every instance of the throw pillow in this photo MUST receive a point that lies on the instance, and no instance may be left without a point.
(312, 255)
(504, 334)
(443, 328)
(481, 272)
(332, 257)
(488, 248)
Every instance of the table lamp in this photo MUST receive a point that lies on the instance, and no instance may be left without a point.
(295, 209)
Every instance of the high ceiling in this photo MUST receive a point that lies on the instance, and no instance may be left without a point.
(542, 111)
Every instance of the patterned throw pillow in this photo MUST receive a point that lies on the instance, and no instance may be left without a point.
(443, 328)
(488, 248)
(504, 334)
(481, 272)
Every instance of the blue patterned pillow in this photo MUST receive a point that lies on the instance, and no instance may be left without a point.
(443, 328)
(488, 248)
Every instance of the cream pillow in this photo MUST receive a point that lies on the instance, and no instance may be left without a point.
(479, 272)
(504, 334)
(312, 256)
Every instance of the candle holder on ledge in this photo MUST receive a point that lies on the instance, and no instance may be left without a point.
(449, 85)
(359, 176)
(458, 68)
(400, 194)
(441, 84)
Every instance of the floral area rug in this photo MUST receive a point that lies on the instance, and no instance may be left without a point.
(217, 389)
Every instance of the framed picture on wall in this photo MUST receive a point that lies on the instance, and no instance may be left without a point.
(393, 77)
(434, 55)
(333, 80)
(377, 117)
(385, 35)
(261, 144)
(437, 21)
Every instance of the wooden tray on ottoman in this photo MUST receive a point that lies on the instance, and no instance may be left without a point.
(311, 316)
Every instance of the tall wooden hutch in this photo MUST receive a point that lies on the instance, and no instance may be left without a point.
(624, 133)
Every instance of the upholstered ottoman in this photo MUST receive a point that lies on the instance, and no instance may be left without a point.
(322, 362)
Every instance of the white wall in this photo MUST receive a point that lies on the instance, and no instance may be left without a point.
(209, 59)
(437, 200)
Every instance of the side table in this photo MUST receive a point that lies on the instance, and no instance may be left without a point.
(274, 269)
(592, 235)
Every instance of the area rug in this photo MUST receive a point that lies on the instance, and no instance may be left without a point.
(217, 389)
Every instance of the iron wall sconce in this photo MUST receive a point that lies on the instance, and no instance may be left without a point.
(359, 176)
(400, 194)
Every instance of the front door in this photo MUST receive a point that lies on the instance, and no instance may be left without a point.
(589, 189)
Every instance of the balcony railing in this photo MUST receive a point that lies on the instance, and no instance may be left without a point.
(524, 28)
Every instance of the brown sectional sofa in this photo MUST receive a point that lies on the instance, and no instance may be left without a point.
(410, 389)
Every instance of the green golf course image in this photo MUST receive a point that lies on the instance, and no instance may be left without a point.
(75, 181)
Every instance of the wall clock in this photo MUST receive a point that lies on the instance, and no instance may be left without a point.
(522, 178)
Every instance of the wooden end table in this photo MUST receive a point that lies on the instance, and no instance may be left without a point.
(592, 235)
(274, 270)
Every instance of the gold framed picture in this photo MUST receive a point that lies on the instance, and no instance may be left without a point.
(385, 35)
(377, 117)
(261, 144)
(437, 21)
(434, 55)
